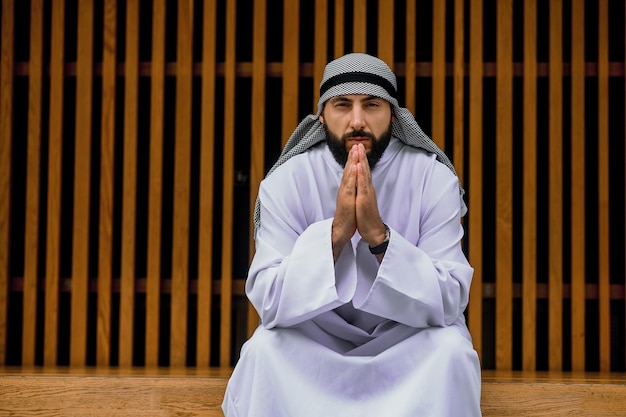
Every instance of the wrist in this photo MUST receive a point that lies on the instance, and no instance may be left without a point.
(382, 247)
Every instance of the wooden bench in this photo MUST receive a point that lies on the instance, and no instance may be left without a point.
(198, 392)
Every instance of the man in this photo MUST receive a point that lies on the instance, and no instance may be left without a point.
(358, 277)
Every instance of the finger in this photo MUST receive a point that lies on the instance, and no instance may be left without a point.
(353, 158)
(362, 156)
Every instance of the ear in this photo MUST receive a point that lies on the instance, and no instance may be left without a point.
(321, 118)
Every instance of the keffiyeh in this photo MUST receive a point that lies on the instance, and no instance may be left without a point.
(358, 73)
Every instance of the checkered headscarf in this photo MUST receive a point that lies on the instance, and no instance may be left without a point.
(358, 73)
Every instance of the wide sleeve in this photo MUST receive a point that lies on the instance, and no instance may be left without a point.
(425, 283)
(293, 276)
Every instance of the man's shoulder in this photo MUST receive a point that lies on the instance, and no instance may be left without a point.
(308, 157)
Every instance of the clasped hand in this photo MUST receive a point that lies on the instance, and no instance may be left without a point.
(357, 208)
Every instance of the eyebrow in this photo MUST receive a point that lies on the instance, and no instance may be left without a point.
(345, 98)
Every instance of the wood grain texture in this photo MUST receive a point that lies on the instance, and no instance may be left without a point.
(291, 68)
(438, 75)
(359, 33)
(475, 180)
(33, 172)
(53, 209)
(604, 261)
(504, 186)
(110, 396)
(339, 40)
(199, 392)
(228, 182)
(107, 175)
(410, 52)
(182, 178)
(385, 32)
(6, 137)
(207, 162)
(529, 273)
(577, 205)
(458, 103)
(257, 154)
(555, 149)
(82, 183)
(320, 54)
(129, 187)
(155, 193)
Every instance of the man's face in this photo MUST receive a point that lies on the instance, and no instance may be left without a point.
(354, 119)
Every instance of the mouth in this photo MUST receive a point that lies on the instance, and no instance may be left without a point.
(358, 139)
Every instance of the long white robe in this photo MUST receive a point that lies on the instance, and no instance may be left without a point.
(355, 337)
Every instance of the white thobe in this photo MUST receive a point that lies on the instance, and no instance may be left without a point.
(355, 337)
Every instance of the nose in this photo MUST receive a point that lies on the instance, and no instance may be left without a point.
(357, 119)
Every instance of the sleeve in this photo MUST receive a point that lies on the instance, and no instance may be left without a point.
(293, 276)
(424, 284)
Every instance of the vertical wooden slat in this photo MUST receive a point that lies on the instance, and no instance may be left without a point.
(53, 216)
(578, 186)
(339, 28)
(529, 273)
(410, 48)
(153, 290)
(6, 128)
(105, 230)
(359, 34)
(475, 202)
(320, 53)
(459, 77)
(385, 32)
(291, 67)
(31, 241)
(82, 170)
(182, 155)
(228, 183)
(257, 151)
(555, 258)
(205, 215)
(504, 185)
(604, 300)
(129, 203)
(439, 74)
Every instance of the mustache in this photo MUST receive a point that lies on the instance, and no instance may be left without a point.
(358, 133)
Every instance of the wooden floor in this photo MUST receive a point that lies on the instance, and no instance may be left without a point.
(103, 392)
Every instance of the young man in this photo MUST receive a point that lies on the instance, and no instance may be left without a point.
(358, 277)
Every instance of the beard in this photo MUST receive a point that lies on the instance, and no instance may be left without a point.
(337, 145)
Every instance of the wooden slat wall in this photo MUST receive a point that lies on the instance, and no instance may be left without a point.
(228, 182)
(6, 130)
(257, 150)
(155, 193)
(475, 180)
(107, 173)
(182, 156)
(555, 150)
(205, 222)
(438, 131)
(82, 183)
(31, 229)
(604, 318)
(129, 204)
(578, 186)
(188, 52)
(53, 211)
(504, 185)
(529, 264)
